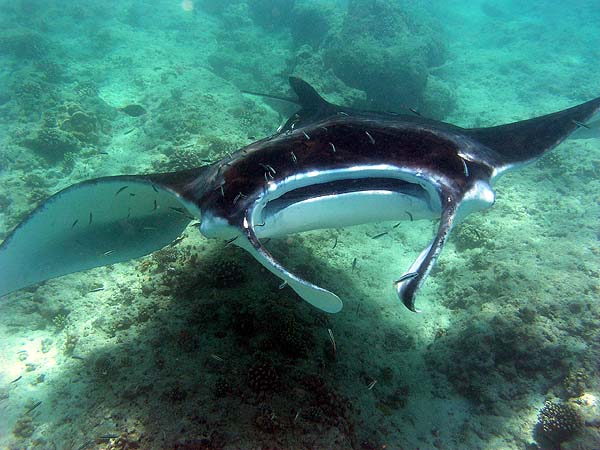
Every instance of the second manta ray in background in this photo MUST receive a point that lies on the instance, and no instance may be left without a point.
(328, 166)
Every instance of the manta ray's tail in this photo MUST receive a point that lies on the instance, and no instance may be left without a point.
(522, 142)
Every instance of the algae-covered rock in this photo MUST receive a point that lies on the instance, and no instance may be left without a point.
(312, 22)
(499, 360)
(385, 52)
(271, 13)
(24, 427)
(81, 122)
(52, 143)
(575, 382)
(23, 44)
(215, 6)
(50, 70)
(82, 126)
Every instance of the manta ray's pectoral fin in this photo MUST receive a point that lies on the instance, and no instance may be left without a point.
(409, 283)
(91, 224)
(315, 295)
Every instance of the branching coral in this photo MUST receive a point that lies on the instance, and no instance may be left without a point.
(558, 422)
(263, 377)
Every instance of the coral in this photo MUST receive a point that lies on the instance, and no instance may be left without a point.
(439, 98)
(60, 321)
(575, 382)
(266, 420)
(263, 377)
(124, 442)
(70, 343)
(313, 414)
(52, 143)
(271, 13)
(23, 45)
(80, 123)
(397, 399)
(244, 322)
(33, 96)
(83, 126)
(468, 236)
(177, 120)
(165, 257)
(223, 386)
(311, 23)
(86, 89)
(527, 314)
(558, 422)
(51, 71)
(384, 52)
(212, 442)
(176, 393)
(181, 158)
(497, 360)
(291, 336)
(326, 400)
(215, 147)
(227, 273)
(187, 341)
(29, 87)
(24, 427)
(103, 367)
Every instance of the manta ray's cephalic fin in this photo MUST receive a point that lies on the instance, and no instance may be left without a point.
(317, 296)
(409, 283)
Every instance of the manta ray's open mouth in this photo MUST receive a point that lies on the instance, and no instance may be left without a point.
(347, 186)
(343, 202)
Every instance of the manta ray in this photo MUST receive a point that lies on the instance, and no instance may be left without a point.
(327, 166)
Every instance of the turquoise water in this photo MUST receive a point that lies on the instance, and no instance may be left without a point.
(195, 346)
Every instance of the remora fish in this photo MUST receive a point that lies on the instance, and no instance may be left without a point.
(328, 166)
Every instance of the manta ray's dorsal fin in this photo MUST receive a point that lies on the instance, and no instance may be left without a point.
(413, 278)
(308, 97)
(313, 107)
(315, 295)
